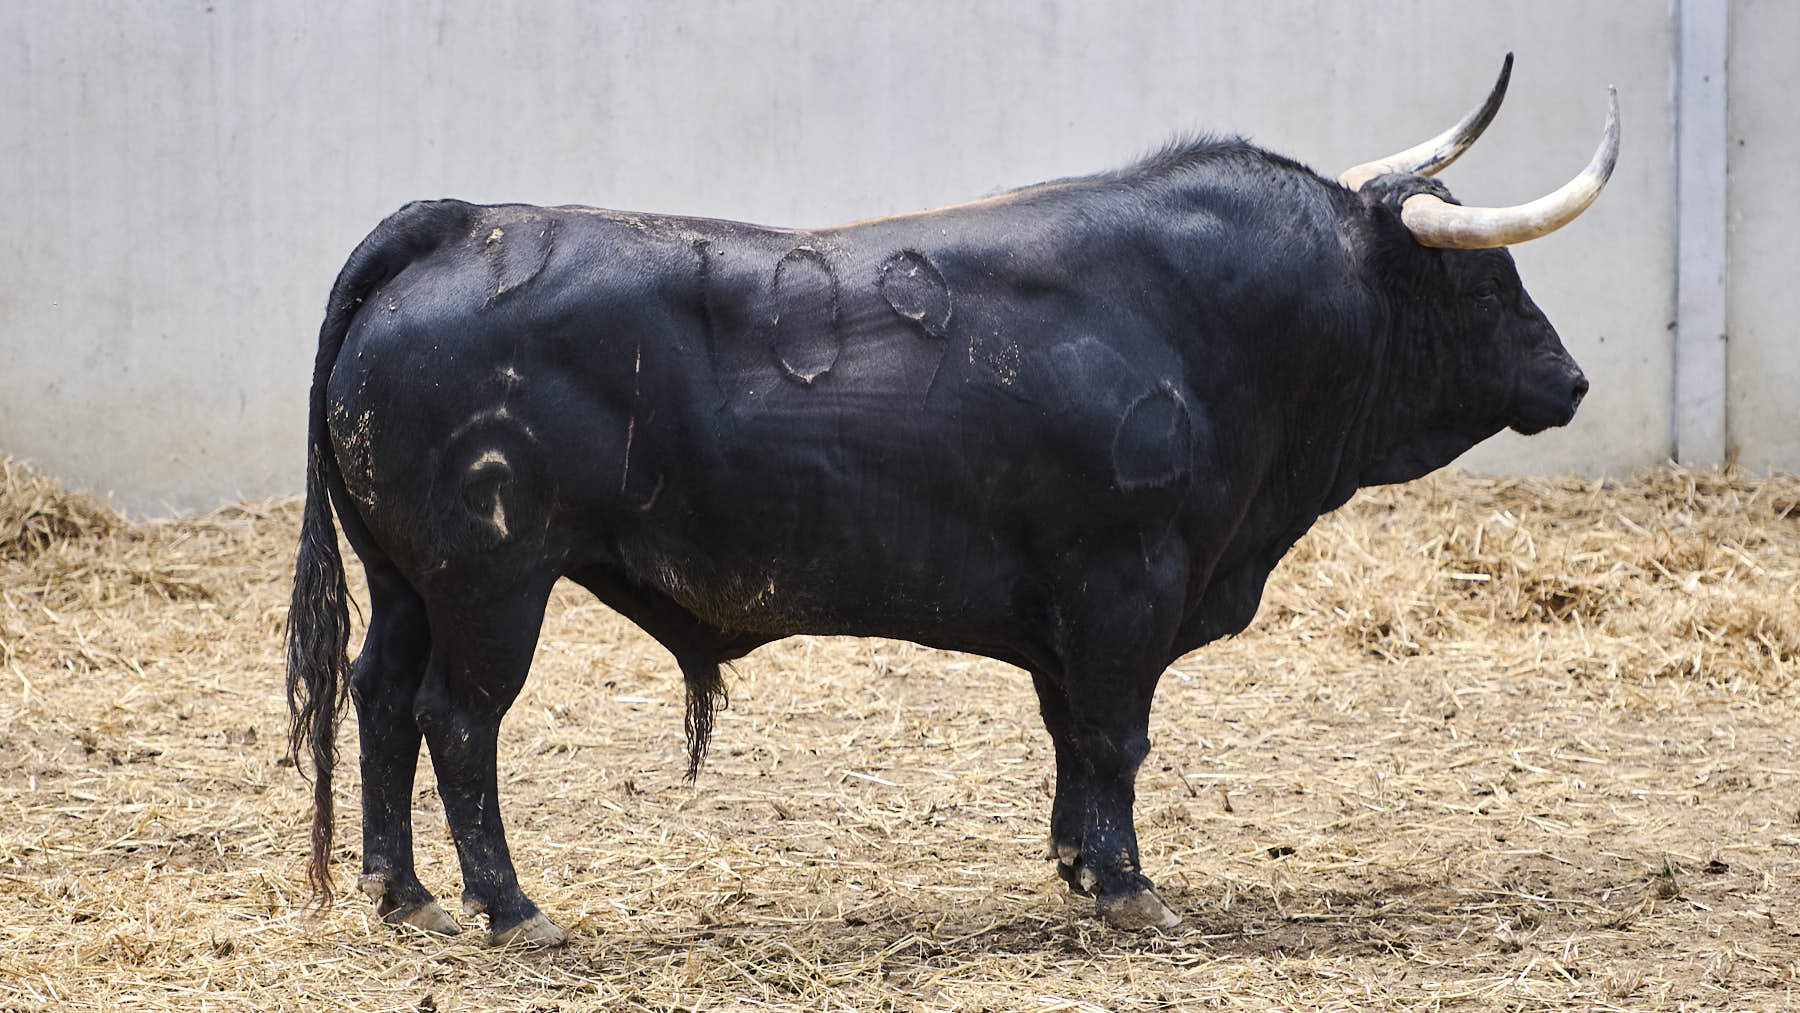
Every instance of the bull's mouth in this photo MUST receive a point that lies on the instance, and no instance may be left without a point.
(1533, 419)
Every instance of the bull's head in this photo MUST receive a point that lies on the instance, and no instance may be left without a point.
(1509, 366)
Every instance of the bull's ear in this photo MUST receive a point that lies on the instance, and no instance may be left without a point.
(1386, 195)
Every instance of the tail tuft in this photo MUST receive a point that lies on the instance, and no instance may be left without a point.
(318, 644)
(706, 696)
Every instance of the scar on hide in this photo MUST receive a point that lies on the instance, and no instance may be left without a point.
(637, 371)
(482, 487)
(915, 289)
(803, 324)
(515, 259)
(703, 275)
(1153, 445)
(501, 485)
(1001, 357)
(645, 506)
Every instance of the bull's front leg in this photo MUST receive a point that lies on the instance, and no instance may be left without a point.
(1100, 729)
(1066, 831)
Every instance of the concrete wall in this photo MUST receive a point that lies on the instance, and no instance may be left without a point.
(1763, 235)
(183, 179)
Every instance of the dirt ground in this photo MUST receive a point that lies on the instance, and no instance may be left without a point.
(1490, 745)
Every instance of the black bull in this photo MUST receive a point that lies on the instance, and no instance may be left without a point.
(1072, 427)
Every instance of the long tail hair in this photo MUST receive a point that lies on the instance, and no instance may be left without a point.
(318, 627)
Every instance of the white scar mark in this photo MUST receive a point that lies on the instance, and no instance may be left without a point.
(493, 458)
(625, 472)
(654, 493)
(511, 375)
(637, 369)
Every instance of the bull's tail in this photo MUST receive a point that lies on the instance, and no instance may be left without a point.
(318, 629)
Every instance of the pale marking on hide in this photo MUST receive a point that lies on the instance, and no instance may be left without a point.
(497, 414)
(1153, 444)
(489, 459)
(637, 370)
(807, 346)
(654, 493)
(625, 472)
(510, 375)
(518, 263)
(913, 288)
(1001, 357)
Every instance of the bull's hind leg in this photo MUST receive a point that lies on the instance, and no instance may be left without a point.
(482, 639)
(384, 682)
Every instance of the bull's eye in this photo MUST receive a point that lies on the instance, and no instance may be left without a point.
(1486, 297)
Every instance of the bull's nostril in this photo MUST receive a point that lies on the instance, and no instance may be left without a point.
(1579, 391)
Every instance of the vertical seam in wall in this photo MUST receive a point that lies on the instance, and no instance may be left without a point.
(1698, 417)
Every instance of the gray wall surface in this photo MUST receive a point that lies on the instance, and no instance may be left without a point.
(185, 178)
(1763, 234)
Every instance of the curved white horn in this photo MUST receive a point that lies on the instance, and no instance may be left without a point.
(1436, 222)
(1433, 155)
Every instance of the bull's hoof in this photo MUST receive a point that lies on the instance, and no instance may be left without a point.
(1135, 912)
(424, 915)
(428, 916)
(534, 931)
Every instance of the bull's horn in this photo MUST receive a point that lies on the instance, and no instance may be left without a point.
(1433, 155)
(1436, 222)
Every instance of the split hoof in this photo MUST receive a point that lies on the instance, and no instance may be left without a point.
(1138, 911)
(1080, 878)
(534, 931)
(428, 916)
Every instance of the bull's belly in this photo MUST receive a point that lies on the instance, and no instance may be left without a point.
(847, 595)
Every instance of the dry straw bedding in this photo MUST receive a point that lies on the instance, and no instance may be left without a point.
(1491, 744)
